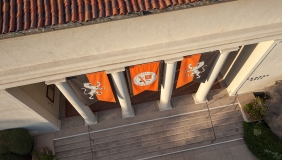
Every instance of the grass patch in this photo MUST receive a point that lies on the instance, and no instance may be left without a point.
(262, 142)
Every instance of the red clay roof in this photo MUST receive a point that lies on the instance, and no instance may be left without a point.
(19, 15)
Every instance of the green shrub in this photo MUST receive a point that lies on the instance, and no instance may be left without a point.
(17, 141)
(20, 142)
(43, 154)
(256, 109)
(248, 107)
(263, 143)
(3, 149)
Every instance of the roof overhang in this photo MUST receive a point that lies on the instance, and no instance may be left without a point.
(59, 54)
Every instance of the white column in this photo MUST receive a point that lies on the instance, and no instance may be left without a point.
(168, 81)
(203, 90)
(84, 111)
(122, 92)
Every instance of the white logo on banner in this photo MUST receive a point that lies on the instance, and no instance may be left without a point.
(195, 70)
(144, 78)
(93, 89)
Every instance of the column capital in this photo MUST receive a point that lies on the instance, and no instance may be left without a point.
(115, 70)
(55, 81)
(172, 60)
(228, 50)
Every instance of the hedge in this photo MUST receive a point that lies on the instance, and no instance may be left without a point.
(262, 142)
(17, 141)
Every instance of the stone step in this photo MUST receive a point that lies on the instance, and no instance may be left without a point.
(108, 153)
(191, 139)
(229, 120)
(179, 148)
(221, 101)
(151, 132)
(172, 120)
(156, 130)
(166, 147)
(153, 138)
(135, 136)
(220, 125)
(162, 141)
(214, 147)
(236, 122)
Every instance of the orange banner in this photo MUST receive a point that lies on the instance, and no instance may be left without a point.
(187, 62)
(101, 85)
(145, 77)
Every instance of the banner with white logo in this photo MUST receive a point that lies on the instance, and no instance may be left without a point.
(92, 87)
(144, 77)
(195, 68)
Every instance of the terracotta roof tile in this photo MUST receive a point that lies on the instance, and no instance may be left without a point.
(19, 15)
(67, 6)
(12, 24)
(5, 16)
(121, 7)
(26, 19)
(33, 13)
(61, 11)
(175, 2)
(108, 8)
(54, 12)
(141, 5)
(101, 8)
(114, 7)
(47, 11)
(162, 4)
(147, 4)
(1, 19)
(40, 14)
(80, 10)
(74, 11)
(94, 9)
(135, 6)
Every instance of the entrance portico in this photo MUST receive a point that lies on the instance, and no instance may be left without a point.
(167, 86)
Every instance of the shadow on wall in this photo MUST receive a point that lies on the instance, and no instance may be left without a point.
(34, 128)
(235, 61)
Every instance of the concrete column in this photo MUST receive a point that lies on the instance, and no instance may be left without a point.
(122, 92)
(86, 113)
(203, 90)
(167, 86)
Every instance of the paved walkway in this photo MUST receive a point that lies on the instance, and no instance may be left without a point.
(236, 150)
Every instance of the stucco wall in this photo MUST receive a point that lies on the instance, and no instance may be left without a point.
(250, 59)
(58, 54)
(18, 110)
(37, 92)
(266, 73)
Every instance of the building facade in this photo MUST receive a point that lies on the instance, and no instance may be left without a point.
(246, 33)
